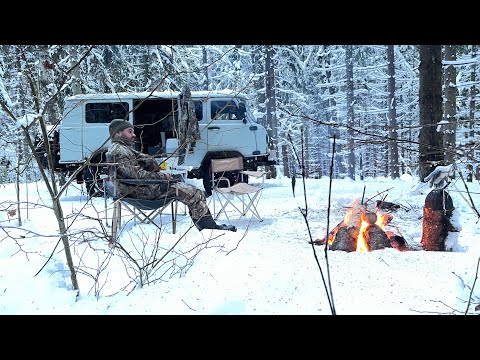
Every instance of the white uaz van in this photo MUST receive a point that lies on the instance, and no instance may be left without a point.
(206, 124)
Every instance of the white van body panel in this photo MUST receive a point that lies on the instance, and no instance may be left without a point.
(220, 134)
(71, 134)
(79, 139)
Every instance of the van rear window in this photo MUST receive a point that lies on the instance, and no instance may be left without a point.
(105, 112)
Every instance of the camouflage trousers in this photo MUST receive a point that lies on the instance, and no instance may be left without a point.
(193, 197)
(188, 194)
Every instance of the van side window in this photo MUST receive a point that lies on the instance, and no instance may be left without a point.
(105, 112)
(198, 109)
(224, 110)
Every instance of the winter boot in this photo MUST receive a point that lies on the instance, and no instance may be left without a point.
(207, 222)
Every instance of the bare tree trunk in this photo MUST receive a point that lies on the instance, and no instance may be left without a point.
(55, 196)
(271, 102)
(430, 97)
(33, 82)
(76, 87)
(450, 112)
(258, 64)
(46, 77)
(350, 112)
(20, 158)
(362, 171)
(306, 151)
(386, 159)
(392, 113)
(473, 93)
(146, 68)
(205, 62)
(286, 172)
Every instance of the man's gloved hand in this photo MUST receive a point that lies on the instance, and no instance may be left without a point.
(166, 175)
(150, 164)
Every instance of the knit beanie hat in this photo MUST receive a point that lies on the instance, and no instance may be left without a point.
(118, 125)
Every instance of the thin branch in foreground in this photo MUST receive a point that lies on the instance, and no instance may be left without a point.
(473, 287)
(328, 289)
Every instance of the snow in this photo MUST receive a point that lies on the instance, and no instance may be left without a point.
(266, 267)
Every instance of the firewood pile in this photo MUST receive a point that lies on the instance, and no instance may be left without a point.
(362, 229)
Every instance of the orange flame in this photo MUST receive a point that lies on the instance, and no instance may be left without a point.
(362, 238)
(348, 215)
(346, 220)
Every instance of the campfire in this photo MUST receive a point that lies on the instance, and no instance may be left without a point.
(363, 230)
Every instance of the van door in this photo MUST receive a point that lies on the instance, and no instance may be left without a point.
(229, 129)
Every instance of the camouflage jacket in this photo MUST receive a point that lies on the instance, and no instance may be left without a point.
(188, 129)
(132, 164)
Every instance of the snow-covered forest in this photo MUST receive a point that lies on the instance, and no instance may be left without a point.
(365, 95)
(382, 111)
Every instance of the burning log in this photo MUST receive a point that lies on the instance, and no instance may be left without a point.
(345, 239)
(398, 242)
(371, 218)
(434, 230)
(352, 219)
(362, 230)
(376, 238)
(437, 212)
(331, 235)
(373, 235)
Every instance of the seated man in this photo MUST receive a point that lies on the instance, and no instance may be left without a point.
(132, 164)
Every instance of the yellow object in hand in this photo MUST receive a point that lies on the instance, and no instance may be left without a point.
(163, 165)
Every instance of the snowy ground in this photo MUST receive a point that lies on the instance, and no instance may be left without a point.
(266, 267)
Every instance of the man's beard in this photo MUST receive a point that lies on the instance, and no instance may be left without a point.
(130, 141)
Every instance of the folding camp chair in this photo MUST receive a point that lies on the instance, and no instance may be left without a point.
(142, 210)
(230, 192)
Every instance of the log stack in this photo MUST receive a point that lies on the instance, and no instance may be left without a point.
(346, 235)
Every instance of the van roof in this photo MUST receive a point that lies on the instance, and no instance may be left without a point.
(156, 94)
